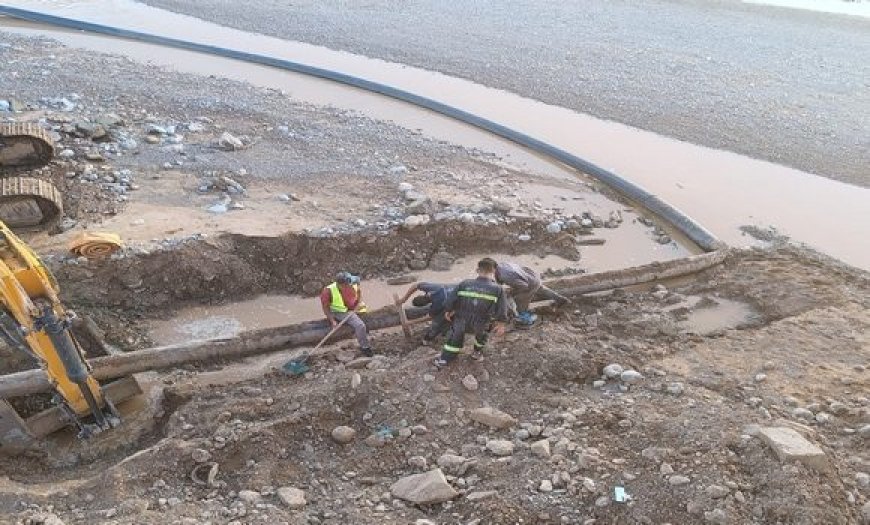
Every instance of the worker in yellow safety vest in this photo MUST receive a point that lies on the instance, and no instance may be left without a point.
(343, 299)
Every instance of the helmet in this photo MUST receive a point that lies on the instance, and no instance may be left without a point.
(346, 278)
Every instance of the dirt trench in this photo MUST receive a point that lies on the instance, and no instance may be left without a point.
(235, 267)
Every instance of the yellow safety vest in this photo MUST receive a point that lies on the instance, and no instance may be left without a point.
(337, 302)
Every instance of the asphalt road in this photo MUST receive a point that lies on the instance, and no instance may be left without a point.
(788, 86)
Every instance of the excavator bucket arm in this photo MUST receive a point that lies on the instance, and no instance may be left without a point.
(33, 320)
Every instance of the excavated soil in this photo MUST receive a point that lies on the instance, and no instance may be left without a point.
(807, 337)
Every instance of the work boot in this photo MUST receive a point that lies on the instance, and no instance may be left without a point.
(368, 352)
(526, 318)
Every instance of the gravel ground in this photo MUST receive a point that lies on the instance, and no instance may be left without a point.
(782, 85)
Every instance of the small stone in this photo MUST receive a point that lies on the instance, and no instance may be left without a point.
(602, 501)
(717, 517)
(200, 455)
(822, 418)
(677, 480)
(230, 142)
(802, 413)
(675, 388)
(423, 489)
(760, 378)
(418, 462)
(599, 383)
(470, 383)
(524, 237)
(343, 434)
(631, 377)
(717, 491)
(500, 447)
(863, 479)
(453, 464)
(613, 371)
(492, 417)
(666, 469)
(412, 221)
(541, 448)
(522, 434)
(250, 497)
(545, 486)
(554, 227)
(292, 497)
(355, 380)
(479, 495)
(791, 446)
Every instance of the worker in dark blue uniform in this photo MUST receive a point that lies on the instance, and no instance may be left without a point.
(435, 296)
(475, 306)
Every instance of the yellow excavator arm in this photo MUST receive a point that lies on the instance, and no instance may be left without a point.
(34, 321)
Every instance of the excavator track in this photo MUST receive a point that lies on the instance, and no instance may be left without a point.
(27, 203)
(24, 145)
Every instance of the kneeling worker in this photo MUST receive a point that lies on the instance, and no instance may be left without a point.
(434, 295)
(343, 299)
(472, 307)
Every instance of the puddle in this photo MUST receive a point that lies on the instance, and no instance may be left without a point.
(708, 317)
(269, 311)
(838, 7)
(722, 190)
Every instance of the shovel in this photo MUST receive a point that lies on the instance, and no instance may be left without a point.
(298, 366)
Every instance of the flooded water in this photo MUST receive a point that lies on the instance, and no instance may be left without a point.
(838, 7)
(722, 190)
(269, 311)
(716, 315)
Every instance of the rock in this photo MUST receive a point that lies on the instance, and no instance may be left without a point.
(500, 447)
(602, 501)
(716, 516)
(863, 479)
(678, 480)
(479, 495)
(791, 446)
(453, 464)
(760, 378)
(250, 497)
(865, 513)
(541, 448)
(545, 486)
(5, 105)
(292, 497)
(355, 380)
(359, 363)
(522, 434)
(613, 371)
(675, 389)
(524, 237)
(665, 469)
(631, 377)
(717, 491)
(599, 383)
(343, 435)
(864, 431)
(554, 227)
(418, 462)
(230, 142)
(405, 187)
(822, 418)
(424, 489)
(802, 413)
(200, 455)
(837, 408)
(492, 417)
(470, 382)
(412, 221)
(378, 440)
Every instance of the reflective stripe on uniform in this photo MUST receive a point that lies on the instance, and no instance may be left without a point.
(478, 343)
(452, 349)
(477, 295)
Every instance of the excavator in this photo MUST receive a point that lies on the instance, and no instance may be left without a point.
(33, 320)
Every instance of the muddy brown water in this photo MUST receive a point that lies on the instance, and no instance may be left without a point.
(722, 190)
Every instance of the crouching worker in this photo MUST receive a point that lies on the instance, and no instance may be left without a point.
(472, 308)
(435, 296)
(342, 300)
(524, 283)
